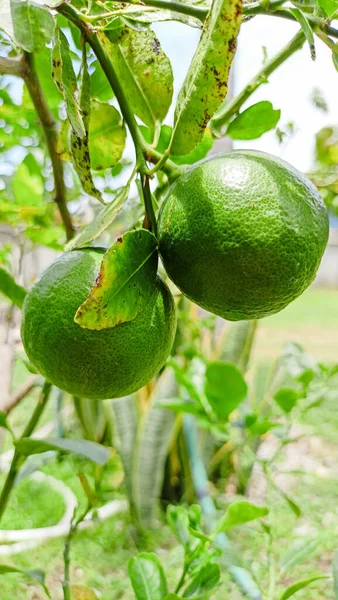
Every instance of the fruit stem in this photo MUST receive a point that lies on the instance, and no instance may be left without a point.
(18, 458)
(226, 111)
(149, 219)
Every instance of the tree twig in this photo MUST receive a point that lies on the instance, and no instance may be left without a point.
(27, 387)
(50, 130)
(18, 458)
(24, 67)
(11, 66)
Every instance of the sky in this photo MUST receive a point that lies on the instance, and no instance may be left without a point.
(290, 88)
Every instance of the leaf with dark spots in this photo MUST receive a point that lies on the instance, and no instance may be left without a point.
(206, 82)
(80, 144)
(145, 70)
(65, 78)
(125, 282)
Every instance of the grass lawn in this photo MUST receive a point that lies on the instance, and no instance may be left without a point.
(311, 320)
(101, 553)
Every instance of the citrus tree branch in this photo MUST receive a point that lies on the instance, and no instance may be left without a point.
(228, 110)
(18, 458)
(143, 151)
(197, 12)
(11, 66)
(24, 67)
(50, 130)
(21, 393)
(284, 13)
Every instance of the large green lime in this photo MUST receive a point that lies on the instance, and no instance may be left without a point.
(109, 363)
(242, 234)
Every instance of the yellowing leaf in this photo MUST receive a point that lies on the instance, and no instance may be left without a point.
(206, 82)
(125, 282)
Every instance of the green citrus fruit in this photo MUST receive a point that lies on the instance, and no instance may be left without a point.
(109, 363)
(242, 234)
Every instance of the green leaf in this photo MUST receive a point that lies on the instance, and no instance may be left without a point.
(335, 60)
(225, 388)
(206, 82)
(179, 405)
(178, 520)
(195, 155)
(65, 78)
(36, 574)
(300, 552)
(101, 222)
(328, 6)
(107, 135)
(293, 589)
(145, 70)
(88, 490)
(95, 452)
(307, 30)
(173, 597)
(147, 577)
(99, 84)
(335, 575)
(286, 398)
(292, 504)
(29, 26)
(199, 152)
(8, 286)
(254, 121)
(125, 282)
(151, 448)
(27, 189)
(204, 581)
(80, 146)
(240, 512)
(126, 422)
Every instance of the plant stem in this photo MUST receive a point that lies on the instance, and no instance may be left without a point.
(315, 22)
(226, 111)
(11, 66)
(66, 584)
(150, 219)
(197, 12)
(24, 67)
(142, 150)
(241, 576)
(66, 561)
(18, 459)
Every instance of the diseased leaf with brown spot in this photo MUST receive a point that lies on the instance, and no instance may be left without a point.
(65, 79)
(80, 145)
(206, 82)
(125, 282)
(145, 70)
(107, 135)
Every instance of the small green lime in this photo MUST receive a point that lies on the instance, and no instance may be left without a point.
(242, 234)
(109, 363)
